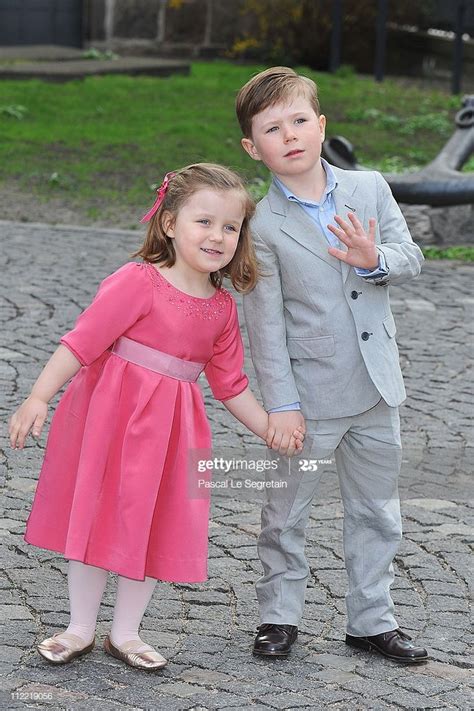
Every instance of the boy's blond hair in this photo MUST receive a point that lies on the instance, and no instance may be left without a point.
(271, 87)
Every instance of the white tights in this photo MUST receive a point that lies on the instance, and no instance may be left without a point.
(86, 586)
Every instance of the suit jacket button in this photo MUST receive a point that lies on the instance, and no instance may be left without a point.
(355, 294)
(365, 336)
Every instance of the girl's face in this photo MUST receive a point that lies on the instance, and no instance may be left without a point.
(206, 229)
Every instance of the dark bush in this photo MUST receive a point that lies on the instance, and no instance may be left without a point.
(299, 31)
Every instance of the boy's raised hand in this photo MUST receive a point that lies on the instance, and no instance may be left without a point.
(286, 431)
(30, 415)
(361, 250)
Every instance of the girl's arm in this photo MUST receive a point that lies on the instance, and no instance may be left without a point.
(249, 412)
(32, 413)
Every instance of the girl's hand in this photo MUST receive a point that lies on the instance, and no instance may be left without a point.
(299, 433)
(296, 441)
(281, 428)
(31, 415)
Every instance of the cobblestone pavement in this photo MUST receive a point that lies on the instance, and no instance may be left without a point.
(206, 631)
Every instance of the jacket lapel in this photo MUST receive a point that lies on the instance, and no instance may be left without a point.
(300, 227)
(346, 202)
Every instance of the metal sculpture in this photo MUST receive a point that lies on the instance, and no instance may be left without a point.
(439, 183)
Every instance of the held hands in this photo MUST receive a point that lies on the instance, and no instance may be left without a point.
(361, 250)
(296, 442)
(31, 415)
(286, 432)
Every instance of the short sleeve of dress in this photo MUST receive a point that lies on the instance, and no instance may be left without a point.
(224, 371)
(122, 299)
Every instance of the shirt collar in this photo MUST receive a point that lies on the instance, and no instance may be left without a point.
(331, 183)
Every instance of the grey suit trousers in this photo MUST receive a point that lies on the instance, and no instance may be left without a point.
(367, 452)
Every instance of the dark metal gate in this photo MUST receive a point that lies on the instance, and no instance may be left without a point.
(41, 22)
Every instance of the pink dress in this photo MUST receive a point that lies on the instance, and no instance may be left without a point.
(114, 486)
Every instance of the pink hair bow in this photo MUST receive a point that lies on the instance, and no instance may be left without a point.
(161, 192)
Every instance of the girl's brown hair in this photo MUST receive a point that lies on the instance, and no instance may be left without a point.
(158, 248)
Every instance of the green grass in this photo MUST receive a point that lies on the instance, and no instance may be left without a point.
(106, 140)
(465, 254)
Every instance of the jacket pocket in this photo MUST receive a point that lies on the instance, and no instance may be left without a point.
(322, 347)
(389, 326)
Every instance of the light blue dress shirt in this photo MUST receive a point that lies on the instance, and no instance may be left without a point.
(322, 213)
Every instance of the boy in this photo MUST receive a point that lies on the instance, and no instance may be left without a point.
(322, 341)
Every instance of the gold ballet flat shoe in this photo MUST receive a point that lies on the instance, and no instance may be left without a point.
(56, 652)
(148, 660)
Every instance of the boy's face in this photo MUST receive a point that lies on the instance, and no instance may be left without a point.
(287, 137)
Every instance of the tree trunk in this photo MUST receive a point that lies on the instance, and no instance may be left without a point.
(208, 29)
(161, 22)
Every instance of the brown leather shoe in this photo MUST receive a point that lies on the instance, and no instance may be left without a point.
(274, 640)
(395, 645)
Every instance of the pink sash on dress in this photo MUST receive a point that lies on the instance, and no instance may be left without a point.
(155, 360)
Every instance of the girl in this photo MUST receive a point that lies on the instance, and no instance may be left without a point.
(114, 489)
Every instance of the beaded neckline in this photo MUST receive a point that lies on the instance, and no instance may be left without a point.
(182, 293)
(212, 307)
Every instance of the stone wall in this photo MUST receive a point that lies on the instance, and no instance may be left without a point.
(440, 226)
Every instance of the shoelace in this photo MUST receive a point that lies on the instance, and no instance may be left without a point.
(399, 633)
(402, 634)
(280, 628)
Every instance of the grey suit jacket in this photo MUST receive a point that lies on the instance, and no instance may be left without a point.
(318, 332)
